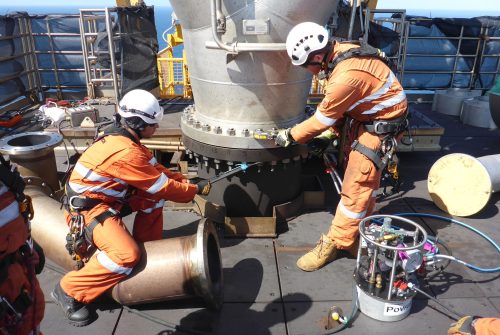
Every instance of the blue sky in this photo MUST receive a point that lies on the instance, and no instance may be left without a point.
(486, 7)
(410, 4)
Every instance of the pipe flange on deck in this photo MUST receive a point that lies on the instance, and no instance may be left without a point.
(37, 142)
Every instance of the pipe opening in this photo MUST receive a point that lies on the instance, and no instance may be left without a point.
(214, 262)
(29, 140)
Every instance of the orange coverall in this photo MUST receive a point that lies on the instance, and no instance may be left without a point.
(487, 326)
(108, 170)
(365, 89)
(19, 274)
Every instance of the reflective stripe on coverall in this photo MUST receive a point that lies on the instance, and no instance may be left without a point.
(13, 235)
(107, 171)
(365, 89)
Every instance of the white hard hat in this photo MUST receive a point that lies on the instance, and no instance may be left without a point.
(304, 38)
(142, 104)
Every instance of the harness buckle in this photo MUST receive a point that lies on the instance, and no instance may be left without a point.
(72, 205)
(113, 211)
(380, 127)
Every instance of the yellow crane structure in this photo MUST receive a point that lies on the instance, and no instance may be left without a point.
(173, 71)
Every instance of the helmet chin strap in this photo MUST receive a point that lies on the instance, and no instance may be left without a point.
(324, 63)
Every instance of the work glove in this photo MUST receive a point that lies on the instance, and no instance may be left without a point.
(462, 326)
(284, 138)
(319, 143)
(204, 186)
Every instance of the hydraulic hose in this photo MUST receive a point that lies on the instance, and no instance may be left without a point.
(354, 310)
(413, 287)
(483, 235)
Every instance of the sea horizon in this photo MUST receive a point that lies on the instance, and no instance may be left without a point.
(163, 14)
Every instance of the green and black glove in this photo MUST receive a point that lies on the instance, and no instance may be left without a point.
(284, 138)
(319, 143)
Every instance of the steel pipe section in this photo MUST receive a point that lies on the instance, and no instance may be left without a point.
(237, 94)
(33, 152)
(170, 269)
(243, 81)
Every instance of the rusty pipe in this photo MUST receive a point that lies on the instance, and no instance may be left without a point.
(169, 269)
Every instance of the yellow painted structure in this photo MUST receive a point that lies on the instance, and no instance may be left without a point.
(172, 71)
(129, 3)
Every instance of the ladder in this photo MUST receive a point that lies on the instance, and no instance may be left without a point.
(99, 44)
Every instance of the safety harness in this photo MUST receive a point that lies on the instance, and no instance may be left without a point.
(364, 50)
(79, 240)
(389, 128)
(11, 312)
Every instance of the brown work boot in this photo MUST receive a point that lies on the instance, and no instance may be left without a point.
(323, 253)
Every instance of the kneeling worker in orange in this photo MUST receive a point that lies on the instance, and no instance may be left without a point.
(22, 303)
(115, 176)
(475, 325)
(361, 89)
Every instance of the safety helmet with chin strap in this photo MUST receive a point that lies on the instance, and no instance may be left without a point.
(141, 104)
(303, 39)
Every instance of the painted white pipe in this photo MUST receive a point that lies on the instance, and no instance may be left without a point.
(462, 185)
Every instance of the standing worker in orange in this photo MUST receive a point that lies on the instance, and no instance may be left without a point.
(115, 176)
(22, 304)
(363, 91)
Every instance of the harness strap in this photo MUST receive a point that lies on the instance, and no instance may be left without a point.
(76, 202)
(98, 219)
(372, 155)
(381, 127)
(364, 50)
(10, 177)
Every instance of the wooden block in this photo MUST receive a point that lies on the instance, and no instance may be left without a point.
(177, 157)
(250, 226)
(214, 212)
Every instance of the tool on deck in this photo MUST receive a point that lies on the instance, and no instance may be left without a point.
(10, 119)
